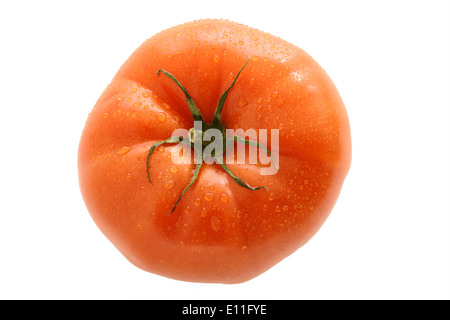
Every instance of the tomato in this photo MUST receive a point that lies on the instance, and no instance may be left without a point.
(204, 223)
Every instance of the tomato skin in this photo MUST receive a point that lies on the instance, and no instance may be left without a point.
(220, 232)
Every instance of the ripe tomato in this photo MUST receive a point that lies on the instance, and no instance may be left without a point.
(220, 230)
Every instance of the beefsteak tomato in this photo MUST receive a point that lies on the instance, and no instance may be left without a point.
(214, 221)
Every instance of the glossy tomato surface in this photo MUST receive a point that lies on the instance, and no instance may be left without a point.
(220, 231)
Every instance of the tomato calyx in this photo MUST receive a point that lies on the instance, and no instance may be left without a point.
(209, 141)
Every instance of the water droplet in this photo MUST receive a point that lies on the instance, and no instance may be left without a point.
(208, 196)
(173, 169)
(105, 115)
(271, 196)
(145, 94)
(161, 116)
(197, 201)
(185, 228)
(244, 248)
(277, 209)
(285, 208)
(242, 102)
(166, 106)
(187, 210)
(161, 148)
(280, 102)
(216, 58)
(215, 223)
(255, 58)
(265, 207)
(224, 198)
(123, 151)
(160, 175)
(137, 104)
(240, 42)
(203, 213)
(255, 38)
(169, 184)
(120, 98)
(275, 94)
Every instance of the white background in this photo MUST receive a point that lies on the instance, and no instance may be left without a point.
(388, 236)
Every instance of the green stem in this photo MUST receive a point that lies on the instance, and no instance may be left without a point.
(218, 112)
(196, 133)
(196, 114)
(156, 145)
(236, 179)
(193, 179)
(256, 144)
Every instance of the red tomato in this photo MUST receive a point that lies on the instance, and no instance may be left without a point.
(223, 228)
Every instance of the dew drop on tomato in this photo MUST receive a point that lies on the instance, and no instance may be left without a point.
(215, 223)
(224, 198)
(169, 184)
(161, 116)
(173, 169)
(123, 150)
(242, 102)
(208, 196)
